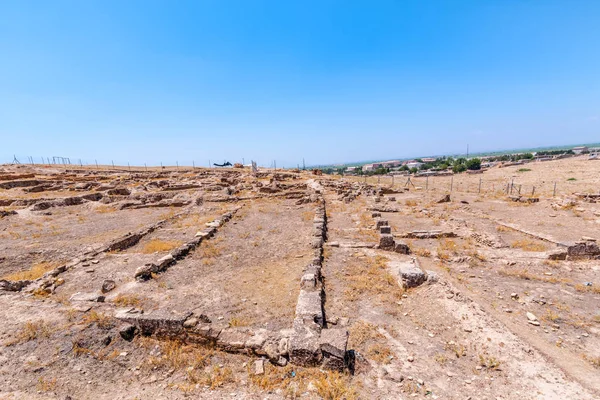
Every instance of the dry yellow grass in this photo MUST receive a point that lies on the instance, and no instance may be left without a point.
(371, 276)
(447, 248)
(124, 300)
(528, 245)
(176, 355)
(380, 353)
(103, 321)
(46, 384)
(157, 245)
(421, 252)
(239, 321)
(31, 331)
(329, 385)
(36, 271)
(104, 209)
(361, 333)
(587, 289)
(210, 250)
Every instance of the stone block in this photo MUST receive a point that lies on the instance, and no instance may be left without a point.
(382, 222)
(145, 272)
(411, 274)
(233, 339)
(165, 261)
(557, 254)
(385, 229)
(158, 322)
(386, 242)
(304, 348)
(334, 342)
(583, 249)
(308, 281)
(94, 297)
(401, 247)
(310, 306)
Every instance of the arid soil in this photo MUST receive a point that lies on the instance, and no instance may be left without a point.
(221, 283)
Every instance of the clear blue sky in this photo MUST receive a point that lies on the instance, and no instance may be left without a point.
(330, 81)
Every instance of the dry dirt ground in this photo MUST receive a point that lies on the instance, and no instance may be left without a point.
(507, 310)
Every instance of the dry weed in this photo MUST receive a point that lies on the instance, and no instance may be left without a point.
(157, 245)
(126, 300)
(35, 272)
(528, 245)
(32, 331)
(103, 321)
(371, 276)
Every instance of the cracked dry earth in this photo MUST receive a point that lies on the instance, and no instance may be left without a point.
(223, 284)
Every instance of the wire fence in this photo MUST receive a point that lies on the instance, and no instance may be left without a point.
(475, 184)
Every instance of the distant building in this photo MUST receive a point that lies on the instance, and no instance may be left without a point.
(428, 159)
(391, 164)
(580, 150)
(371, 167)
(414, 164)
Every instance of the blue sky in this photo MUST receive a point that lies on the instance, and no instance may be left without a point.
(328, 81)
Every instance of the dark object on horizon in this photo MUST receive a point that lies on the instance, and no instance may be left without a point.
(225, 164)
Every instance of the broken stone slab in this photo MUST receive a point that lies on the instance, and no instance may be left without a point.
(257, 340)
(557, 254)
(445, 199)
(381, 222)
(108, 285)
(305, 348)
(401, 247)
(386, 208)
(206, 332)
(523, 199)
(428, 235)
(309, 308)
(95, 297)
(386, 242)
(376, 215)
(181, 251)
(145, 272)
(583, 249)
(13, 286)
(234, 339)
(259, 367)
(127, 331)
(165, 261)
(308, 281)
(334, 342)
(410, 273)
(160, 322)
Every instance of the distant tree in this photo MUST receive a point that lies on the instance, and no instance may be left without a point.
(413, 170)
(457, 168)
(404, 168)
(473, 164)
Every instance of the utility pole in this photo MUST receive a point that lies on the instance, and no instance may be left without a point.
(467, 151)
(303, 164)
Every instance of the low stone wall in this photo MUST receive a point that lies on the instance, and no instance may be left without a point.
(49, 281)
(311, 344)
(145, 272)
